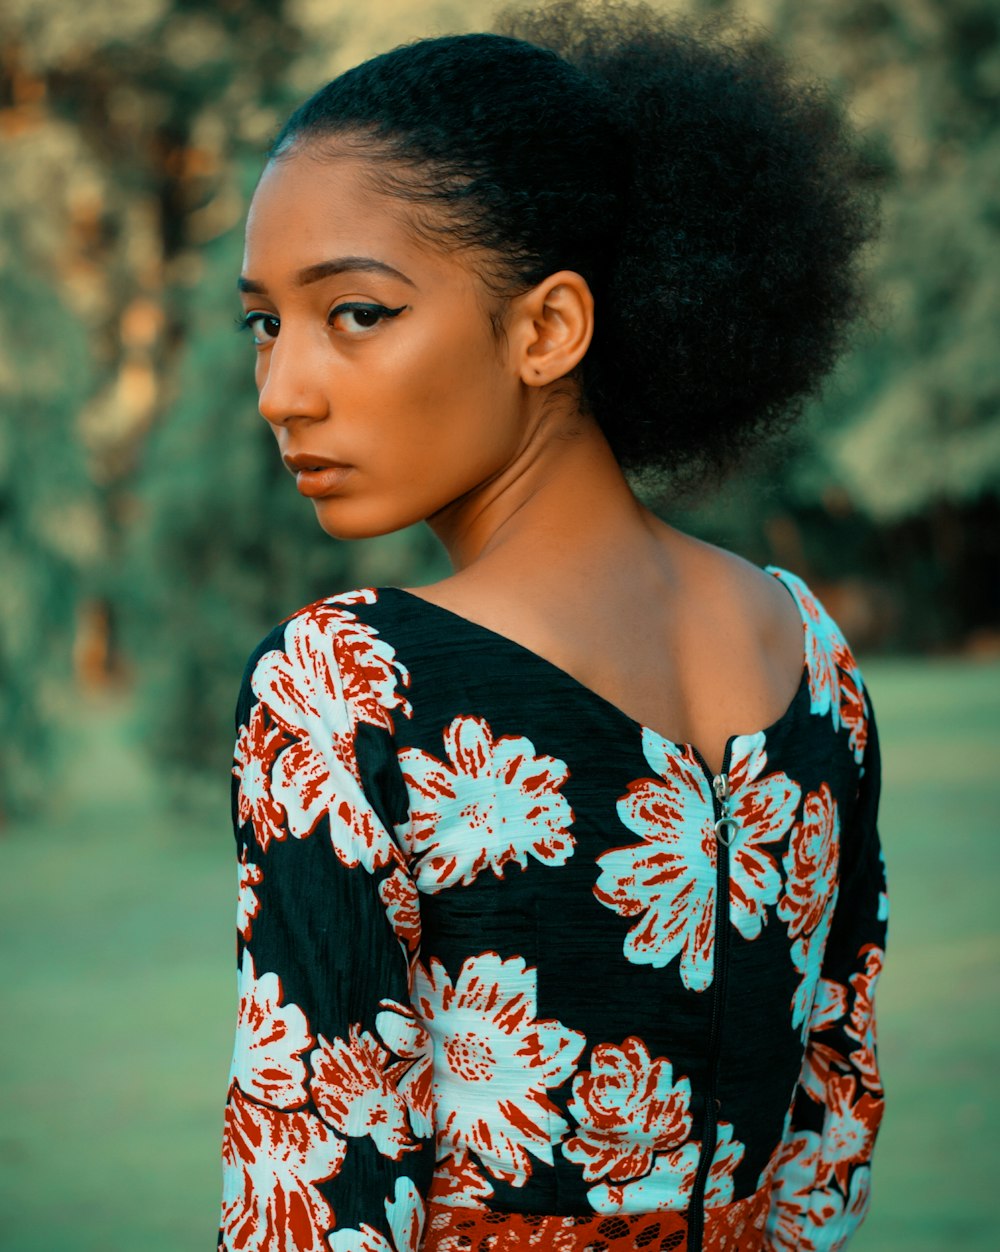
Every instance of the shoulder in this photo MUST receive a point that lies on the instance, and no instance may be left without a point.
(822, 630)
(763, 604)
(836, 686)
(327, 659)
(789, 617)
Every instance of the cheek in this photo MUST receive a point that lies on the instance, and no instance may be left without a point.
(449, 395)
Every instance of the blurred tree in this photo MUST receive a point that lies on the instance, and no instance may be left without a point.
(897, 480)
(52, 531)
(149, 525)
(137, 129)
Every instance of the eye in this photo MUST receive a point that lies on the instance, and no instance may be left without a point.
(355, 318)
(263, 326)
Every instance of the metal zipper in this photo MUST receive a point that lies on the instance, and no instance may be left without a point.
(725, 829)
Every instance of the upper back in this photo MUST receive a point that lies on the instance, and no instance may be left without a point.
(695, 643)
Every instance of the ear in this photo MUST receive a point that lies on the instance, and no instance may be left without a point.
(551, 327)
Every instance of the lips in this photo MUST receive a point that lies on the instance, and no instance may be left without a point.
(308, 461)
(317, 476)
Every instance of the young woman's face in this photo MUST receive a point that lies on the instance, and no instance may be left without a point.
(375, 359)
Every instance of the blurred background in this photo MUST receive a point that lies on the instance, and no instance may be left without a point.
(151, 537)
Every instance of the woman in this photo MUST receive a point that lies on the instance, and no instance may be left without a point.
(544, 942)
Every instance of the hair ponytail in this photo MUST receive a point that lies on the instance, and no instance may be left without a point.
(716, 206)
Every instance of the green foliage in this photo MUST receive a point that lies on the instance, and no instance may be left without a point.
(51, 532)
(912, 418)
(149, 528)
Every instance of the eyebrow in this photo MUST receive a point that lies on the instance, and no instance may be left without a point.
(327, 269)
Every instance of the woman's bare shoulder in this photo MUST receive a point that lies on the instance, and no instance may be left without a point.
(735, 585)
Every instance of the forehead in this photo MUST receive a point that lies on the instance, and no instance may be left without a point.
(308, 209)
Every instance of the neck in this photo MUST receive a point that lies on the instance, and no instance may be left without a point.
(563, 496)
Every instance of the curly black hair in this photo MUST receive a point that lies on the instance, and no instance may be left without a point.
(717, 206)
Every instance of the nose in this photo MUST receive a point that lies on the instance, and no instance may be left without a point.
(290, 383)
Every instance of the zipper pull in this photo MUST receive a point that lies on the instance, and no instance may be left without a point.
(726, 822)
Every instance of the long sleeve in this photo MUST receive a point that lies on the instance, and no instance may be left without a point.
(822, 1171)
(325, 1147)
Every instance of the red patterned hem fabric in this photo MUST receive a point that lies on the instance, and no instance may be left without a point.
(735, 1227)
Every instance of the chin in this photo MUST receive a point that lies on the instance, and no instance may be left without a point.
(341, 520)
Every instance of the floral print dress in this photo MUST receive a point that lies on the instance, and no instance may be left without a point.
(516, 971)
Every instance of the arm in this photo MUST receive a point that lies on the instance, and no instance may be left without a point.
(822, 1171)
(321, 1133)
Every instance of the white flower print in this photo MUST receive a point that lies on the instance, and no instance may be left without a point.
(354, 1088)
(862, 1022)
(248, 906)
(807, 958)
(399, 895)
(257, 747)
(369, 669)
(405, 1214)
(810, 896)
(458, 1184)
(627, 1107)
(849, 1130)
(669, 880)
(271, 1163)
(334, 674)
(492, 1063)
(491, 802)
(764, 806)
(405, 1036)
(807, 1213)
(270, 1038)
(670, 1182)
(835, 683)
(811, 863)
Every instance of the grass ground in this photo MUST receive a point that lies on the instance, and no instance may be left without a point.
(116, 920)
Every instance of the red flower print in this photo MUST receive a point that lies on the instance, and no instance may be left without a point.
(271, 1162)
(370, 673)
(628, 1108)
(399, 895)
(669, 1184)
(315, 689)
(668, 880)
(763, 805)
(849, 1130)
(794, 1174)
(862, 1021)
(807, 1214)
(354, 1088)
(457, 1183)
(829, 1005)
(821, 1059)
(737, 1226)
(853, 712)
(819, 1063)
(257, 748)
(835, 683)
(811, 864)
(493, 1062)
(492, 802)
(270, 1038)
(248, 906)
